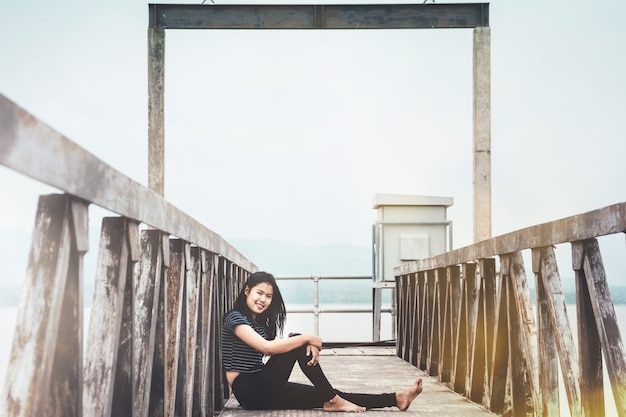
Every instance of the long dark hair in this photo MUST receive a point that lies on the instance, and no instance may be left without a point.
(274, 317)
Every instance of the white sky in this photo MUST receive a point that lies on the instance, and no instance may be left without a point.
(289, 134)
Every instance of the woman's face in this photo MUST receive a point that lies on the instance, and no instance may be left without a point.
(259, 298)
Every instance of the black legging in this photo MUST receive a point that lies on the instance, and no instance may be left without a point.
(269, 388)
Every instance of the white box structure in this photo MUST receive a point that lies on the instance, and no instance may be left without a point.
(407, 228)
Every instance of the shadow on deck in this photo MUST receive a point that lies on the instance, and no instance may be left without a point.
(375, 369)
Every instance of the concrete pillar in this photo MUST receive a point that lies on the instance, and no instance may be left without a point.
(156, 110)
(482, 133)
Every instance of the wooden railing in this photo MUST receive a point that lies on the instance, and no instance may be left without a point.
(162, 285)
(470, 320)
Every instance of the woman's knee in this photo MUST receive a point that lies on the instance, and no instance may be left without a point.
(301, 351)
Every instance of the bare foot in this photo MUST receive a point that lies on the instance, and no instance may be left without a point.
(338, 403)
(406, 397)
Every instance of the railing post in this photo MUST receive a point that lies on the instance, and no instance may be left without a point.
(192, 282)
(483, 335)
(401, 325)
(450, 324)
(148, 291)
(551, 289)
(316, 304)
(464, 336)
(547, 354)
(498, 360)
(48, 344)
(593, 285)
(412, 302)
(589, 345)
(431, 317)
(406, 298)
(423, 320)
(174, 325)
(204, 334)
(527, 328)
(108, 363)
(123, 400)
(223, 304)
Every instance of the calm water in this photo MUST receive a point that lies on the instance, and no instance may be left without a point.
(345, 327)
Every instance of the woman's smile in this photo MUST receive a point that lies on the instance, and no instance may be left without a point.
(259, 297)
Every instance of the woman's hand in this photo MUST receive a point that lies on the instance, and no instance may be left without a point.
(315, 341)
(313, 349)
(314, 352)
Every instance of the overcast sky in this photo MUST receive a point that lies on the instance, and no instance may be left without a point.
(289, 134)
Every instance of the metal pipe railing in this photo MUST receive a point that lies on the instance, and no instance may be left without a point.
(317, 308)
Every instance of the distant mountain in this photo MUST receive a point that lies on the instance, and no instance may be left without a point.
(275, 256)
(294, 259)
(285, 258)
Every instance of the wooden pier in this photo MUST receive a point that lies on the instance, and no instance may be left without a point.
(466, 320)
(375, 370)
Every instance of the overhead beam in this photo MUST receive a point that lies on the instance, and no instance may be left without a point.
(354, 16)
(357, 16)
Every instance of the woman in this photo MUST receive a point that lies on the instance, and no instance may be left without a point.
(249, 333)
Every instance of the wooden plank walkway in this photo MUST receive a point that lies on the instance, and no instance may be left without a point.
(374, 369)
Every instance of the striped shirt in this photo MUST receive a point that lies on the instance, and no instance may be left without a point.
(236, 354)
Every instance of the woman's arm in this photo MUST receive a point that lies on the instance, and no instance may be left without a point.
(271, 347)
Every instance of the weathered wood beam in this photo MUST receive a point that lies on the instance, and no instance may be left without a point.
(122, 404)
(65, 395)
(430, 316)
(472, 298)
(557, 311)
(46, 354)
(214, 370)
(606, 322)
(175, 326)
(412, 320)
(147, 291)
(547, 351)
(400, 283)
(416, 301)
(601, 222)
(526, 320)
(411, 325)
(589, 344)
(32, 148)
(478, 371)
(222, 304)
(450, 324)
(192, 293)
(206, 326)
(488, 273)
(462, 344)
(424, 336)
(331, 16)
(114, 269)
(500, 356)
(518, 379)
(156, 406)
